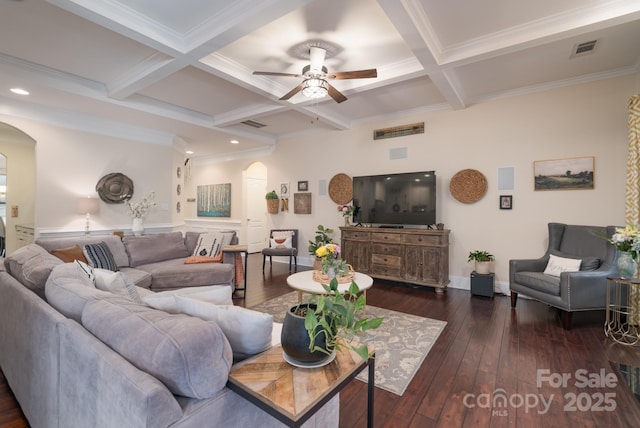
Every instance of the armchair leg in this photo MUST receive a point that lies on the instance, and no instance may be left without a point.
(566, 319)
(264, 260)
(295, 260)
(289, 264)
(514, 299)
(270, 262)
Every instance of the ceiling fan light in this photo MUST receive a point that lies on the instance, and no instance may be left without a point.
(315, 88)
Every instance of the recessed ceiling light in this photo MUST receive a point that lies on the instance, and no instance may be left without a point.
(189, 152)
(19, 91)
(234, 142)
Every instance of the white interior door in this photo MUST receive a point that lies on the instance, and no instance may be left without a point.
(256, 213)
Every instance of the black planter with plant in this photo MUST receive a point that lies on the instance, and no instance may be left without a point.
(335, 319)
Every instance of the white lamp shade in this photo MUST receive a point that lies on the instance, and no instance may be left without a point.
(87, 206)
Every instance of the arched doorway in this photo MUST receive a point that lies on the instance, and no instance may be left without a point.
(18, 150)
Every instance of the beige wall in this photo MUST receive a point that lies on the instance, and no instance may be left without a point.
(19, 150)
(583, 120)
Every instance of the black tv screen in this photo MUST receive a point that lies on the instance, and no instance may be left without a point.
(395, 199)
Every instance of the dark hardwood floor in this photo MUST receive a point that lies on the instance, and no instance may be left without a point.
(487, 350)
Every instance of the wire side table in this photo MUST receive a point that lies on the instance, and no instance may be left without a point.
(622, 323)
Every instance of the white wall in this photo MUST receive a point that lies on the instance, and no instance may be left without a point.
(582, 120)
(69, 163)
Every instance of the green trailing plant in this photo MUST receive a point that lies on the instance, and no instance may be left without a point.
(480, 256)
(340, 318)
(271, 195)
(321, 238)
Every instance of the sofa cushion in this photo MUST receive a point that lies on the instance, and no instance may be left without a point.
(165, 300)
(71, 254)
(539, 281)
(172, 274)
(99, 256)
(210, 244)
(31, 266)
(113, 242)
(190, 356)
(139, 277)
(147, 249)
(557, 265)
(68, 290)
(248, 332)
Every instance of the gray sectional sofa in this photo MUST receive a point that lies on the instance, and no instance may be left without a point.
(90, 358)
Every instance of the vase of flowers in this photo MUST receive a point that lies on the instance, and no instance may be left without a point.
(347, 212)
(332, 264)
(627, 242)
(139, 211)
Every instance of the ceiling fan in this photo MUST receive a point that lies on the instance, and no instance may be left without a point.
(315, 77)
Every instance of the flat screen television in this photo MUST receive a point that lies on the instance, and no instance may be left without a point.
(395, 199)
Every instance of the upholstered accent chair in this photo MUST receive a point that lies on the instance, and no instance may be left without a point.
(282, 242)
(583, 290)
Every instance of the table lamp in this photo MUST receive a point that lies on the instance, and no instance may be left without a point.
(87, 206)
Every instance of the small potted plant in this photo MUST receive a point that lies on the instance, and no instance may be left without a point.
(321, 238)
(482, 260)
(329, 321)
(272, 202)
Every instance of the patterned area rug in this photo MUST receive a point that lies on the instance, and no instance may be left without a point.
(401, 343)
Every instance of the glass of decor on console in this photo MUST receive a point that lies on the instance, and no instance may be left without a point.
(347, 212)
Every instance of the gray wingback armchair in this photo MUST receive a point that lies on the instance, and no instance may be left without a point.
(572, 291)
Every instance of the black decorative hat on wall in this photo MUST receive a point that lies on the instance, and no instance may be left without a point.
(115, 188)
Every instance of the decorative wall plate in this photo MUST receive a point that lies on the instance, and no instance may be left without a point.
(178, 189)
(468, 186)
(179, 172)
(115, 188)
(341, 189)
(178, 207)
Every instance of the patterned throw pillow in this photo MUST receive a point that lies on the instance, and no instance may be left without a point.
(281, 239)
(210, 244)
(99, 256)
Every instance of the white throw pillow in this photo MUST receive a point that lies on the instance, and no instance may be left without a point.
(165, 300)
(557, 265)
(116, 283)
(281, 243)
(87, 270)
(248, 332)
(210, 244)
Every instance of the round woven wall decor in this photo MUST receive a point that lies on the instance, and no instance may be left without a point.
(341, 189)
(468, 186)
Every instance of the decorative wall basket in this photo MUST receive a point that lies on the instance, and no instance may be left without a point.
(273, 206)
(468, 186)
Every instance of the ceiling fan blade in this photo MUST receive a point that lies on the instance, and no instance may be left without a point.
(269, 73)
(358, 74)
(291, 93)
(316, 58)
(336, 95)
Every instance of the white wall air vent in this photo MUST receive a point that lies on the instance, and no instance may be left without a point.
(253, 124)
(584, 48)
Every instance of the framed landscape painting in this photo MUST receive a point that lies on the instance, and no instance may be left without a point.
(564, 174)
(214, 200)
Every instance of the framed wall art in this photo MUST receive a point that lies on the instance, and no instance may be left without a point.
(564, 174)
(214, 200)
(303, 186)
(302, 203)
(506, 202)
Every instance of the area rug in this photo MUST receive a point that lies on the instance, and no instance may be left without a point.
(401, 343)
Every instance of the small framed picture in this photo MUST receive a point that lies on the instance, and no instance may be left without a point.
(506, 202)
(303, 186)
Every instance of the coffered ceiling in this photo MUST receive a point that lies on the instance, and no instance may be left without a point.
(181, 72)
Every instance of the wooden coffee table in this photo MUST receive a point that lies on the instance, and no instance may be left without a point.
(292, 394)
(303, 282)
